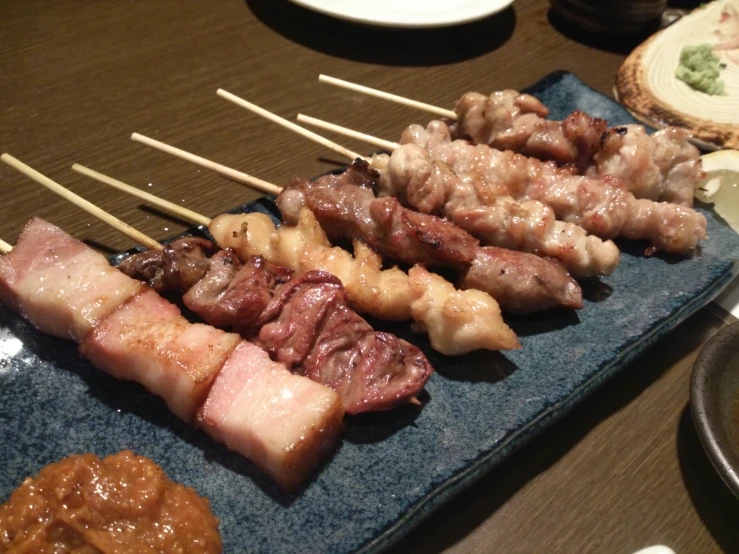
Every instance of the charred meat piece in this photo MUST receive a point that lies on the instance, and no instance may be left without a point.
(311, 329)
(348, 211)
(534, 283)
(178, 267)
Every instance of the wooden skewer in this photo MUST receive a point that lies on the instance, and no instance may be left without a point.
(5, 247)
(289, 124)
(345, 131)
(387, 96)
(244, 178)
(80, 202)
(174, 209)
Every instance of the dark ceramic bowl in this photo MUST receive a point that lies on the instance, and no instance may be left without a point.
(714, 398)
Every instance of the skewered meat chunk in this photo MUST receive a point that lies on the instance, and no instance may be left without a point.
(350, 212)
(443, 312)
(60, 285)
(305, 247)
(660, 167)
(285, 423)
(534, 282)
(147, 340)
(431, 186)
(309, 327)
(663, 166)
(347, 211)
(457, 321)
(174, 268)
(602, 207)
(304, 322)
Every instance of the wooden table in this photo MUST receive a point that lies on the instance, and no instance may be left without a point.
(621, 472)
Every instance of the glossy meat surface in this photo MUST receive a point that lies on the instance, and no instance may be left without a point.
(661, 167)
(349, 212)
(148, 341)
(603, 207)
(286, 424)
(181, 264)
(311, 329)
(431, 186)
(59, 284)
(385, 293)
(535, 283)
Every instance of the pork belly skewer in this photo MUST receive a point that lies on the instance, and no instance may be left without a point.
(302, 321)
(601, 207)
(457, 321)
(347, 209)
(661, 167)
(430, 186)
(284, 423)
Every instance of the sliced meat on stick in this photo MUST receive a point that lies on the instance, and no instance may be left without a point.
(431, 186)
(287, 424)
(660, 167)
(408, 236)
(456, 321)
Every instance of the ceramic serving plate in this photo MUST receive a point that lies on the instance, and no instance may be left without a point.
(408, 13)
(714, 399)
(393, 469)
(647, 86)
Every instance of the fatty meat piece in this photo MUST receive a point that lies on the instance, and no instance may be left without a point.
(284, 423)
(59, 284)
(148, 341)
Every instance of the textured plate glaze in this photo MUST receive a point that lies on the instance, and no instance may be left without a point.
(392, 469)
(714, 399)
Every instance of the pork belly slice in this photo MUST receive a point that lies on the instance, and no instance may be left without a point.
(284, 423)
(63, 287)
(147, 340)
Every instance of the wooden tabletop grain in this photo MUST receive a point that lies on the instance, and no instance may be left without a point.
(623, 471)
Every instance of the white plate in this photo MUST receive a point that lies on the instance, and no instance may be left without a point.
(407, 13)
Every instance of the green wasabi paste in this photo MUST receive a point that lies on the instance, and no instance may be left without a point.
(700, 69)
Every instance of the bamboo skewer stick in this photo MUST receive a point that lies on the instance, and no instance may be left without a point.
(345, 131)
(80, 202)
(174, 209)
(289, 124)
(244, 178)
(5, 247)
(387, 96)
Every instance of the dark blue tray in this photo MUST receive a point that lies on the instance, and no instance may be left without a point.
(393, 469)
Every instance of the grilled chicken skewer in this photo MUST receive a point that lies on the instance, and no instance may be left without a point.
(456, 321)
(660, 167)
(520, 282)
(431, 186)
(599, 206)
(284, 423)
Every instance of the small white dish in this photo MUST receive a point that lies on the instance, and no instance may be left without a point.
(407, 13)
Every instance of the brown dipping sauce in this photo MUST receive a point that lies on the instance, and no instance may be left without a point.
(123, 503)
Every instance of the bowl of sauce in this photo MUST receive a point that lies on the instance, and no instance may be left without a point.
(714, 401)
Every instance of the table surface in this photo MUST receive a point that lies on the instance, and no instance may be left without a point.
(623, 471)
